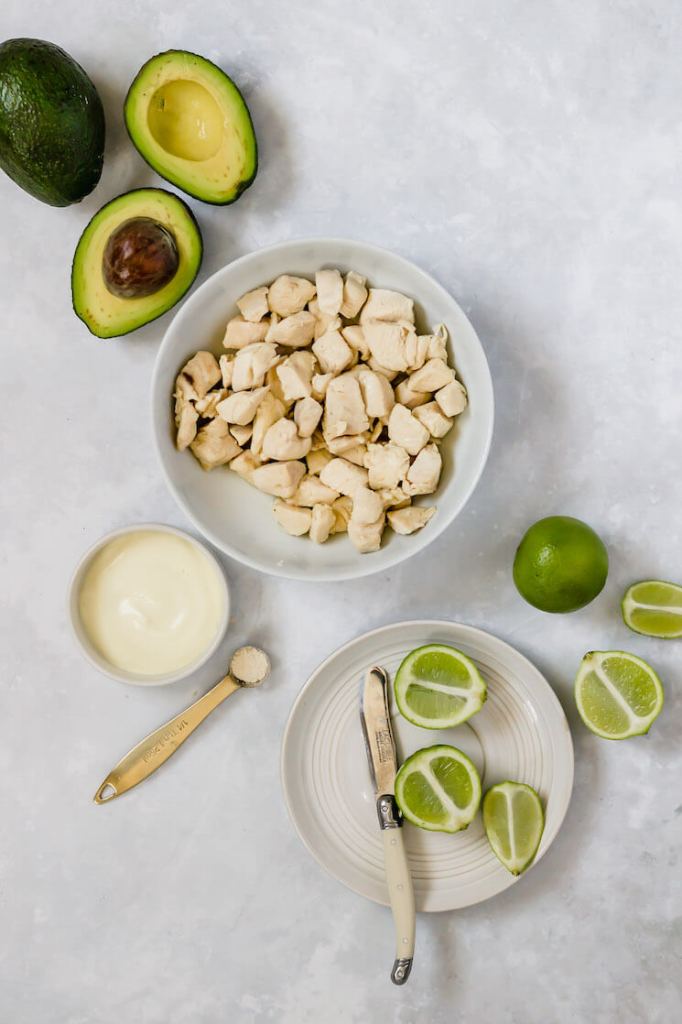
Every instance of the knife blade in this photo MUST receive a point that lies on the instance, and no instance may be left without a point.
(383, 765)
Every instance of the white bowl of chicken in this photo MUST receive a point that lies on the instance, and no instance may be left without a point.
(284, 435)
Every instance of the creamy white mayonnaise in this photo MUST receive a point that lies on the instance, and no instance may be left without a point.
(151, 602)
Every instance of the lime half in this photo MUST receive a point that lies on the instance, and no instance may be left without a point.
(514, 822)
(618, 695)
(437, 687)
(438, 789)
(654, 608)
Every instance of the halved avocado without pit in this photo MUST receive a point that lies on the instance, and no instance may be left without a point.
(136, 258)
(189, 121)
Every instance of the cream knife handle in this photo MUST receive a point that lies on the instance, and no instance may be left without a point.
(139, 763)
(400, 891)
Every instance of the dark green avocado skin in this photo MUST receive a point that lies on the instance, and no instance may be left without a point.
(51, 122)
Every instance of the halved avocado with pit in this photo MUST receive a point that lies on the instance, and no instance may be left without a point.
(136, 258)
(189, 121)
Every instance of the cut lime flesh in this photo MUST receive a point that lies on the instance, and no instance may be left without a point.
(438, 687)
(618, 695)
(654, 607)
(514, 822)
(438, 789)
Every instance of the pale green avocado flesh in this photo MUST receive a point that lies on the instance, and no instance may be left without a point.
(106, 314)
(190, 122)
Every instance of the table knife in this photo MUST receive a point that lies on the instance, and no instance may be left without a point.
(383, 765)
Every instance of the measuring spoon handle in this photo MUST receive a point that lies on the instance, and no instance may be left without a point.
(139, 763)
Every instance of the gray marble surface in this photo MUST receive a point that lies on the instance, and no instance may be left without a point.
(528, 155)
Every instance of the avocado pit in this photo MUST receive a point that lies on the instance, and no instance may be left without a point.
(139, 259)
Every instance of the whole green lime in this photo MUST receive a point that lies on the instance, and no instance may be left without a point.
(560, 565)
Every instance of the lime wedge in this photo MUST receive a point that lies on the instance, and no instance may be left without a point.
(438, 789)
(654, 608)
(437, 687)
(514, 821)
(618, 695)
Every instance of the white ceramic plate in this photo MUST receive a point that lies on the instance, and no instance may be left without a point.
(235, 516)
(521, 734)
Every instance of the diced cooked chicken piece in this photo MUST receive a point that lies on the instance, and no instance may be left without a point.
(367, 506)
(317, 460)
(332, 352)
(288, 295)
(323, 321)
(387, 465)
(241, 407)
(376, 431)
(274, 383)
(424, 473)
(254, 305)
(438, 343)
(354, 294)
(386, 342)
(407, 396)
(357, 454)
(344, 477)
(245, 464)
(342, 509)
(282, 442)
(311, 491)
(407, 431)
(408, 520)
(355, 337)
(207, 407)
(307, 415)
(227, 369)
(434, 374)
(241, 434)
(345, 443)
(320, 383)
(214, 445)
(252, 363)
(384, 304)
(416, 350)
(198, 375)
(291, 518)
(394, 497)
(278, 478)
(322, 523)
(240, 332)
(184, 390)
(377, 393)
(452, 399)
(344, 411)
(186, 417)
(269, 411)
(433, 419)
(295, 375)
(377, 367)
(295, 331)
(329, 284)
(366, 537)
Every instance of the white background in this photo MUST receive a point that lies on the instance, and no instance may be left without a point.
(528, 155)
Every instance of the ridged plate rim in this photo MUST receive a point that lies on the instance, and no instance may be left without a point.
(446, 888)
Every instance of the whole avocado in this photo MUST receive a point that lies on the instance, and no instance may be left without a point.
(51, 122)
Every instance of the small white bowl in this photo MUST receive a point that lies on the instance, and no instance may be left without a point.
(83, 640)
(237, 518)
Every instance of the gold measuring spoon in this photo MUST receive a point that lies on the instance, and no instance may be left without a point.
(249, 666)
